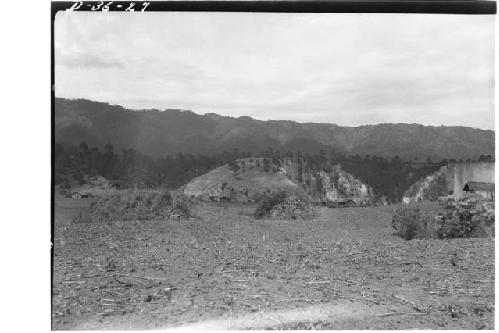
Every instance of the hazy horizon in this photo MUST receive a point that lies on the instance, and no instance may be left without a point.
(344, 69)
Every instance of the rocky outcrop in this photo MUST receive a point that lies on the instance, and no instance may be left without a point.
(436, 185)
(247, 179)
(332, 184)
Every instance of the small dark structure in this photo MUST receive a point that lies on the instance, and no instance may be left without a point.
(486, 190)
(343, 204)
(76, 195)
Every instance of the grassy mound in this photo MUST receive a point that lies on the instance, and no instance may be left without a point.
(244, 182)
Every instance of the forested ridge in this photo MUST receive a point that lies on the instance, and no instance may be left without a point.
(158, 133)
(126, 168)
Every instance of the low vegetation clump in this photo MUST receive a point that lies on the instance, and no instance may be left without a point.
(182, 206)
(471, 216)
(464, 218)
(128, 205)
(293, 207)
(267, 202)
(415, 220)
(282, 205)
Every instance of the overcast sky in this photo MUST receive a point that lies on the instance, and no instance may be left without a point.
(348, 69)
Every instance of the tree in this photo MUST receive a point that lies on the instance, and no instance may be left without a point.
(109, 162)
(84, 147)
(267, 164)
(233, 166)
(319, 184)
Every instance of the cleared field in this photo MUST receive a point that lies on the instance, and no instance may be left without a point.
(66, 209)
(343, 270)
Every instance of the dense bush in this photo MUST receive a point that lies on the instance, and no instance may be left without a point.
(268, 201)
(468, 217)
(460, 227)
(182, 205)
(284, 205)
(415, 220)
(293, 207)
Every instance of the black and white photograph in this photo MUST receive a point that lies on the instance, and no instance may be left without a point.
(288, 167)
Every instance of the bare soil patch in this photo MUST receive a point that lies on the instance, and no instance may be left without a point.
(168, 274)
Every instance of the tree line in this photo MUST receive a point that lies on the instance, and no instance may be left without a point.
(125, 168)
(130, 168)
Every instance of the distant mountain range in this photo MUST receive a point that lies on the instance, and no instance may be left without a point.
(158, 133)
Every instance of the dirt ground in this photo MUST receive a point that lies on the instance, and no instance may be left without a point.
(343, 270)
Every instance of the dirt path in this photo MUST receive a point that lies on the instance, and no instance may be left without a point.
(341, 314)
(331, 312)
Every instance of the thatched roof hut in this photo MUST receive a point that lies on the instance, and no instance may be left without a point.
(479, 187)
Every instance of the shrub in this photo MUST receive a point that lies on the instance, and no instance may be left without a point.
(459, 227)
(182, 205)
(416, 220)
(280, 204)
(268, 201)
(468, 217)
(293, 207)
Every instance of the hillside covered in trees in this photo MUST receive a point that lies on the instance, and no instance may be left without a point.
(125, 168)
(167, 149)
(168, 132)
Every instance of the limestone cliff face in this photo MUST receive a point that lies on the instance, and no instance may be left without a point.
(450, 180)
(435, 185)
(249, 178)
(331, 184)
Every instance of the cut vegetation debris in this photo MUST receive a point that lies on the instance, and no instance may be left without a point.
(126, 205)
(161, 273)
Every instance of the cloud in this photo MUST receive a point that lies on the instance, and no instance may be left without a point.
(85, 60)
(349, 69)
